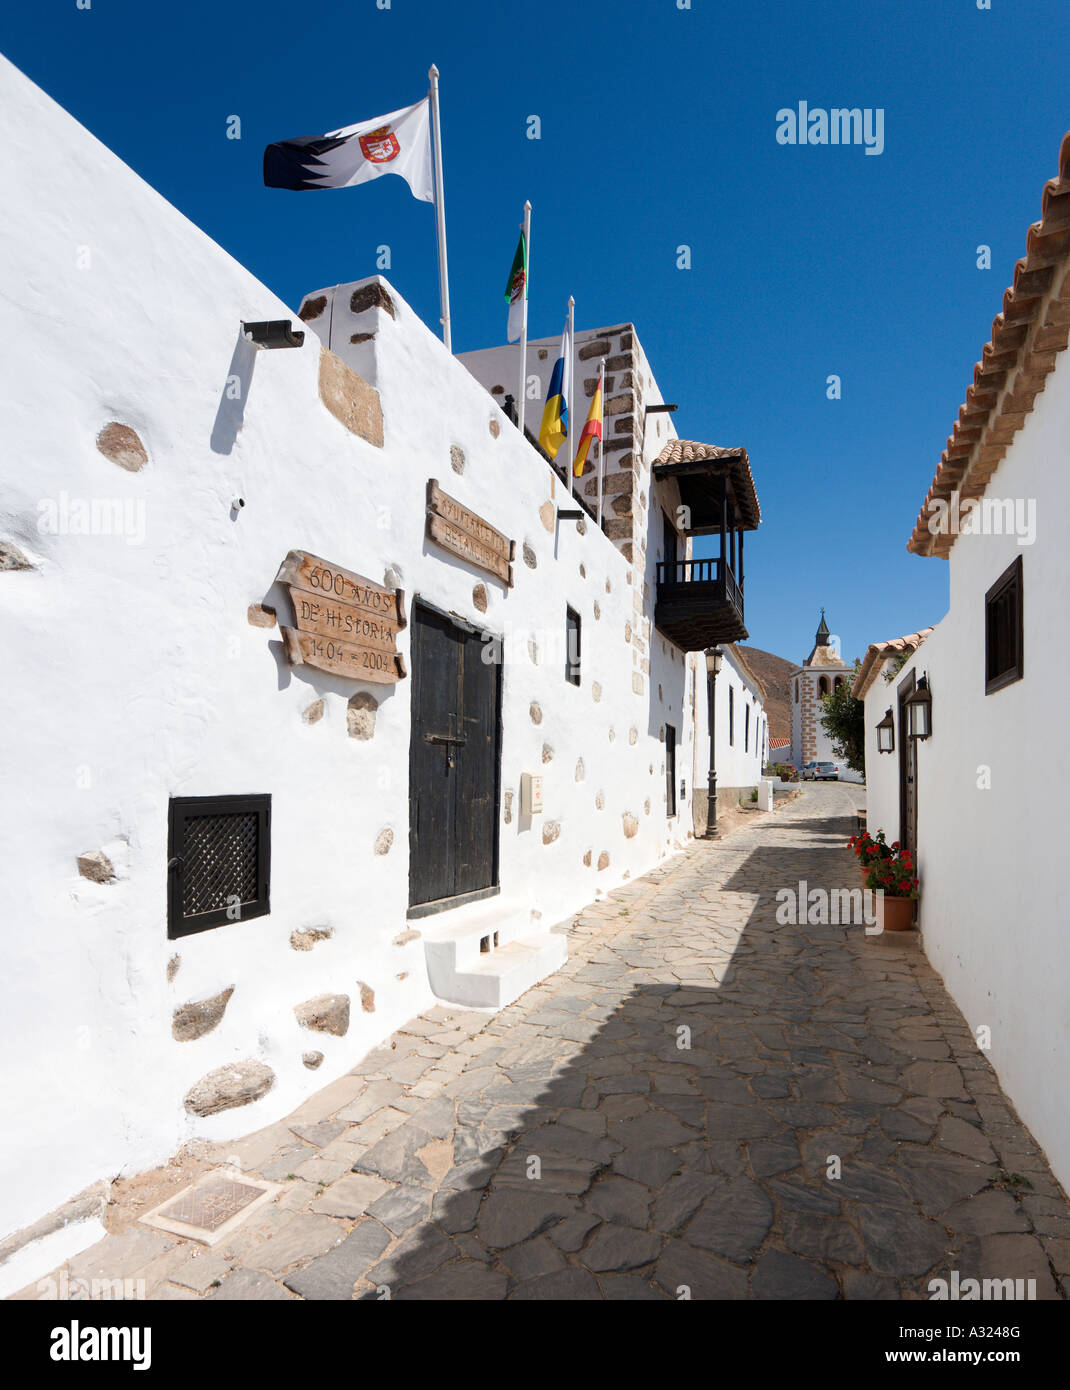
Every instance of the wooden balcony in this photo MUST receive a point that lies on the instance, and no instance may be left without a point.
(699, 603)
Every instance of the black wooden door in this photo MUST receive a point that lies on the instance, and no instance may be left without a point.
(908, 774)
(453, 762)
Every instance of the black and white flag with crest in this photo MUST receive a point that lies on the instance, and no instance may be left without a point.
(397, 143)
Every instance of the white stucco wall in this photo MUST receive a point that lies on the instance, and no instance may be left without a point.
(996, 904)
(132, 674)
(736, 765)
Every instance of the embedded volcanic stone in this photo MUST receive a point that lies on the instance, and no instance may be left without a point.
(583, 571)
(372, 296)
(350, 399)
(410, 935)
(122, 445)
(507, 815)
(314, 713)
(260, 615)
(603, 861)
(194, 1020)
(536, 713)
(229, 1087)
(456, 458)
(172, 967)
(12, 558)
(627, 632)
(600, 801)
(598, 347)
(327, 1013)
(646, 807)
(495, 429)
(312, 308)
(550, 831)
(360, 715)
(596, 691)
(367, 997)
(479, 597)
(305, 939)
(580, 770)
(633, 735)
(587, 860)
(547, 753)
(597, 611)
(631, 825)
(581, 527)
(383, 841)
(361, 337)
(533, 652)
(530, 558)
(312, 1059)
(546, 515)
(96, 865)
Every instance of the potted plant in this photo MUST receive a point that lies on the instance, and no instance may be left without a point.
(870, 849)
(896, 879)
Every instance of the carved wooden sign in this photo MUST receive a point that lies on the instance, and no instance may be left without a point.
(345, 624)
(459, 530)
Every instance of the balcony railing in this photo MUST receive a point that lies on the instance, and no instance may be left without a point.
(699, 603)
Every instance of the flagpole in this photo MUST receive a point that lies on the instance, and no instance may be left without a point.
(522, 397)
(602, 436)
(440, 211)
(571, 397)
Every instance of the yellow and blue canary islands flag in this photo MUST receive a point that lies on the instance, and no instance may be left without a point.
(554, 428)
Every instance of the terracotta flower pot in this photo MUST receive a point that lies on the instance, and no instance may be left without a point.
(896, 914)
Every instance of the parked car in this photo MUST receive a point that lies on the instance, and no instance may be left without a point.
(820, 772)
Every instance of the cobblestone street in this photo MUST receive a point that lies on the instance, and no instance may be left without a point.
(571, 1148)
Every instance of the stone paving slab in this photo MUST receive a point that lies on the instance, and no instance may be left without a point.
(701, 1102)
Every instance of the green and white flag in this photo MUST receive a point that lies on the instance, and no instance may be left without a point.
(516, 291)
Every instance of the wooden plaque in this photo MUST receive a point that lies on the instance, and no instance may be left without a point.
(315, 576)
(459, 530)
(345, 624)
(343, 658)
(328, 617)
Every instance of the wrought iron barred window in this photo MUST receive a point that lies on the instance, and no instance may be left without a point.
(219, 861)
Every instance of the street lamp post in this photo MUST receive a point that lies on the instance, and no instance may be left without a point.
(714, 658)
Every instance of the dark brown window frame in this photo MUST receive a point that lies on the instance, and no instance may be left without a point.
(184, 808)
(1011, 578)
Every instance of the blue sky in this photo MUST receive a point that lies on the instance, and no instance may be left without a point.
(658, 130)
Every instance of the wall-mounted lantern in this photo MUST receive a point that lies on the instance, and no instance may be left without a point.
(920, 711)
(886, 734)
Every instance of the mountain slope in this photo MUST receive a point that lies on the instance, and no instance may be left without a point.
(775, 674)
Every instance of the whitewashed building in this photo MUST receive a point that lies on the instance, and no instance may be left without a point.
(741, 731)
(317, 708)
(976, 795)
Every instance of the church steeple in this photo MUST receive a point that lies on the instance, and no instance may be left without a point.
(822, 638)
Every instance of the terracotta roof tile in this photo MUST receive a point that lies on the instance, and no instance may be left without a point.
(875, 654)
(679, 451)
(1026, 337)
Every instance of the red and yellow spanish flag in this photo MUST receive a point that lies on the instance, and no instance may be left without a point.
(591, 430)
